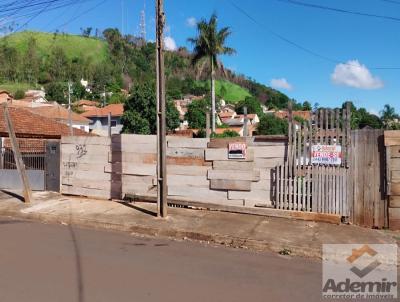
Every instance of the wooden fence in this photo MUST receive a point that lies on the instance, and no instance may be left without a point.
(322, 188)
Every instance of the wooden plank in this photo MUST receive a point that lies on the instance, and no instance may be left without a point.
(395, 164)
(234, 175)
(268, 162)
(192, 143)
(392, 137)
(394, 151)
(185, 152)
(101, 194)
(218, 143)
(82, 150)
(394, 201)
(394, 189)
(328, 218)
(85, 175)
(269, 151)
(256, 195)
(395, 176)
(233, 165)
(263, 184)
(133, 139)
(234, 185)
(190, 180)
(222, 154)
(197, 193)
(188, 170)
(85, 166)
(135, 148)
(86, 140)
(132, 169)
(27, 192)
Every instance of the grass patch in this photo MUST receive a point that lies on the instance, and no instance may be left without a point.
(13, 87)
(74, 46)
(233, 93)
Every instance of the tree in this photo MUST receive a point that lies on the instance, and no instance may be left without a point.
(272, 125)
(208, 45)
(19, 94)
(388, 115)
(307, 106)
(140, 112)
(56, 92)
(252, 104)
(196, 114)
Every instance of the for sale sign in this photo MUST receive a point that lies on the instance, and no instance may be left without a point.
(237, 151)
(326, 154)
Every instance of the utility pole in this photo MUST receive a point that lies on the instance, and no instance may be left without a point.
(69, 109)
(246, 120)
(161, 122)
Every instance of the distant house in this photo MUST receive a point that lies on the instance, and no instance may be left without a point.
(284, 114)
(61, 114)
(86, 105)
(99, 119)
(30, 125)
(5, 96)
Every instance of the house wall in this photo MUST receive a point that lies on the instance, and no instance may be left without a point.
(101, 123)
(198, 169)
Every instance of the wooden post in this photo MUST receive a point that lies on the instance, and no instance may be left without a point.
(17, 155)
(161, 121)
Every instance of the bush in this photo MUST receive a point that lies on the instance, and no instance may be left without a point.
(272, 125)
(226, 134)
(19, 94)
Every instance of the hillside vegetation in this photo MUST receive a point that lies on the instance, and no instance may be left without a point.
(74, 46)
(112, 62)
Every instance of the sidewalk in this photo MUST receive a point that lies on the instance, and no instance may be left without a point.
(289, 236)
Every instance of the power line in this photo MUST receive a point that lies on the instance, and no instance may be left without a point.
(298, 46)
(339, 10)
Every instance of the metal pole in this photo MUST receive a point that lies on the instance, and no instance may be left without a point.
(161, 122)
(69, 109)
(246, 120)
(208, 130)
(109, 124)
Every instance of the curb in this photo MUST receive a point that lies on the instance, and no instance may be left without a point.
(174, 234)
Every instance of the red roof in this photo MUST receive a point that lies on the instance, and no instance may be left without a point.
(59, 113)
(114, 109)
(87, 103)
(30, 125)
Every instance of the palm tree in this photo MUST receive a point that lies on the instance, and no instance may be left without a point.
(208, 45)
(388, 115)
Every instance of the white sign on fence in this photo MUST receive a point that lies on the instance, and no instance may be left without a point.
(326, 154)
(237, 151)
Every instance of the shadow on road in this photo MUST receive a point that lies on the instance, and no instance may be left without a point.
(13, 194)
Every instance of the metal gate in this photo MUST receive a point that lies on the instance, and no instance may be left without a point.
(315, 176)
(35, 154)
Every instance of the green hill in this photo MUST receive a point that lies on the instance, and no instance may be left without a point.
(73, 46)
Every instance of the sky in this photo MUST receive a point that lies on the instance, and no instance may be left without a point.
(310, 54)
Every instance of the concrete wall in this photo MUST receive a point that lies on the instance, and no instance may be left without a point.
(11, 180)
(198, 169)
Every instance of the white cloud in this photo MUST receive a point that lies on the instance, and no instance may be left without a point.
(354, 74)
(281, 83)
(170, 43)
(191, 22)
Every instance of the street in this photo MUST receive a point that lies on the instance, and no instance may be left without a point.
(47, 263)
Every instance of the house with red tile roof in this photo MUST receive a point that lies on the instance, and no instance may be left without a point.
(5, 96)
(61, 114)
(30, 125)
(99, 119)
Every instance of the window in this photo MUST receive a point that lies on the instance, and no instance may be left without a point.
(113, 123)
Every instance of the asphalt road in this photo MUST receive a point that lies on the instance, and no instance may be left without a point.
(51, 263)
